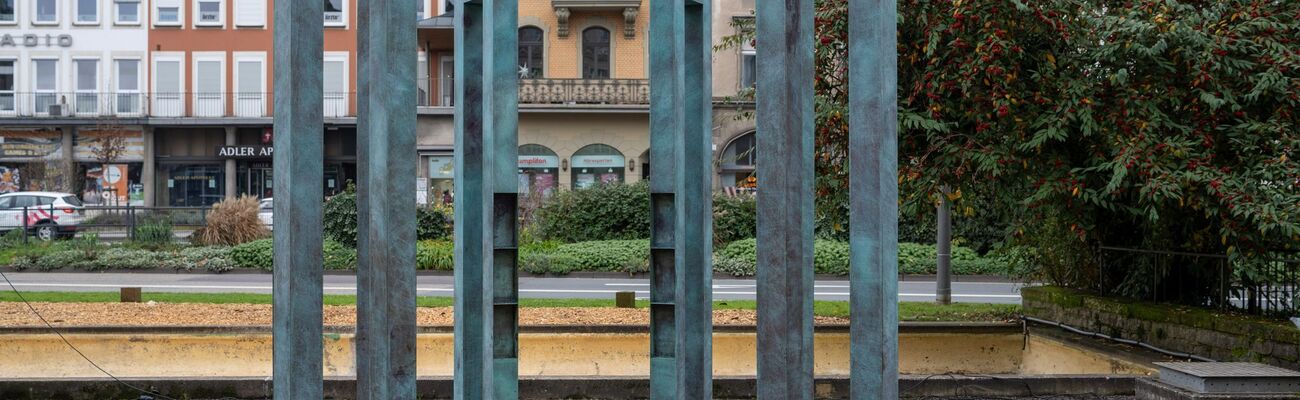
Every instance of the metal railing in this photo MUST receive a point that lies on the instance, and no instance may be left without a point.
(157, 104)
(1258, 285)
(584, 91)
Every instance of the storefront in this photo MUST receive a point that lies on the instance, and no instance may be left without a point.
(539, 170)
(110, 161)
(439, 187)
(596, 164)
(31, 159)
(254, 151)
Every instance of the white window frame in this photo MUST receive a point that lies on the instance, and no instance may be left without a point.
(221, 14)
(57, 13)
(204, 97)
(37, 91)
(117, 15)
(158, 107)
(180, 13)
(12, 92)
(336, 104)
(76, 13)
(241, 4)
(423, 11)
(137, 93)
(17, 12)
(343, 16)
(249, 104)
(91, 94)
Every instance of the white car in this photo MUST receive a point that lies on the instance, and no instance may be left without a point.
(265, 213)
(50, 215)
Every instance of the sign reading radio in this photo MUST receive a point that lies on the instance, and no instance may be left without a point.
(34, 40)
(245, 151)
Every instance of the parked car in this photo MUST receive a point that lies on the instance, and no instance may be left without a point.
(50, 215)
(265, 214)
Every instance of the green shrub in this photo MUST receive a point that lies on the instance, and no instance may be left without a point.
(434, 255)
(740, 258)
(211, 258)
(433, 223)
(128, 258)
(602, 212)
(607, 255)
(733, 266)
(548, 263)
(337, 256)
(340, 217)
(255, 254)
(60, 259)
(734, 218)
(11, 239)
(154, 234)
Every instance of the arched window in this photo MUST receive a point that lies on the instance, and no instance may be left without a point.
(738, 161)
(595, 53)
(530, 52)
(596, 164)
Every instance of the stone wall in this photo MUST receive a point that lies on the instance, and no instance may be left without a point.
(1208, 333)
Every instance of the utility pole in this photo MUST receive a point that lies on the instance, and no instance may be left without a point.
(943, 282)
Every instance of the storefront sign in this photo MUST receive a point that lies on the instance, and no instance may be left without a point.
(29, 145)
(442, 167)
(610, 161)
(539, 162)
(240, 152)
(91, 145)
(34, 40)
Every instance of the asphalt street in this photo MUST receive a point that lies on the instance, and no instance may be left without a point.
(442, 285)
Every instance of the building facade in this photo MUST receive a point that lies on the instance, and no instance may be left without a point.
(169, 102)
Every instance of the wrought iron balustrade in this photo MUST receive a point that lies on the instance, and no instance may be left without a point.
(584, 91)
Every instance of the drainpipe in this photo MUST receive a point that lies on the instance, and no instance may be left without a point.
(943, 280)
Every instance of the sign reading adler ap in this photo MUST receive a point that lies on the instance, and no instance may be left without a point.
(245, 151)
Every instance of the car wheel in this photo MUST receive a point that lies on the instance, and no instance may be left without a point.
(47, 232)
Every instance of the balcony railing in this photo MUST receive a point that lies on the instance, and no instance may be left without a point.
(584, 91)
(157, 104)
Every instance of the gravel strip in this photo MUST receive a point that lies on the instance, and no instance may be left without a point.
(191, 314)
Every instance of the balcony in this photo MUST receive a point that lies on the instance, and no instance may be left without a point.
(157, 105)
(564, 92)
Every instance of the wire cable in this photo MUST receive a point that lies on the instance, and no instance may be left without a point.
(74, 348)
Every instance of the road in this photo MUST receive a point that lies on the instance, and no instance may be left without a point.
(442, 285)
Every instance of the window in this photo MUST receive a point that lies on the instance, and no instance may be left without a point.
(250, 85)
(334, 13)
(46, 84)
(168, 72)
(209, 80)
(595, 53)
(47, 12)
(169, 12)
(748, 66)
(128, 11)
(87, 11)
(250, 12)
(419, 9)
(336, 90)
(7, 13)
(128, 97)
(530, 52)
(87, 84)
(7, 86)
(208, 13)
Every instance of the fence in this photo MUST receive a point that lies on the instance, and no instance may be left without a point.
(104, 219)
(1264, 285)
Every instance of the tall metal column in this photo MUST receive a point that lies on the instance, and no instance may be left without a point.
(386, 213)
(487, 197)
(299, 172)
(785, 202)
(681, 323)
(873, 198)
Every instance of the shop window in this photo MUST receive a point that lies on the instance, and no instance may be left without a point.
(530, 52)
(596, 164)
(595, 53)
(194, 185)
(441, 179)
(87, 11)
(539, 170)
(334, 13)
(47, 12)
(7, 86)
(113, 185)
(738, 161)
(7, 13)
(128, 11)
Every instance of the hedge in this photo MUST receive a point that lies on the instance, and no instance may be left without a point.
(340, 220)
(622, 212)
(259, 254)
(832, 258)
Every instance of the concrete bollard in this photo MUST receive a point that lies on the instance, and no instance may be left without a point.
(625, 299)
(131, 295)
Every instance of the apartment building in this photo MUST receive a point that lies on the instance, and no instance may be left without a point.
(189, 84)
